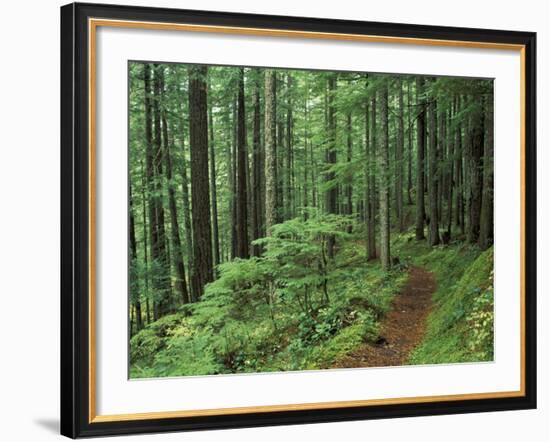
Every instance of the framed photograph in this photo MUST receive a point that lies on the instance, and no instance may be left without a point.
(274, 220)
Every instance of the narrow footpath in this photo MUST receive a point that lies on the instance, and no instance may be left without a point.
(402, 329)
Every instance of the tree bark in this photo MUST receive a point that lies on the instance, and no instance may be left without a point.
(349, 186)
(476, 178)
(256, 222)
(145, 242)
(305, 202)
(410, 145)
(399, 159)
(383, 182)
(280, 137)
(150, 177)
(289, 132)
(185, 187)
(181, 283)
(233, 179)
(433, 181)
(331, 194)
(486, 218)
(441, 165)
(420, 149)
(200, 192)
(459, 198)
(466, 165)
(270, 152)
(160, 252)
(186, 210)
(213, 189)
(241, 197)
(451, 172)
(133, 255)
(370, 199)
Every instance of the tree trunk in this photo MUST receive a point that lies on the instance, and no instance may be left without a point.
(150, 176)
(145, 196)
(459, 200)
(466, 174)
(135, 296)
(410, 145)
(305, 202)
(213, 190)
(160, 253)
(241, 197)
(233, 179)
(370, 200)
(200, 192)
(185, 191)
(441, 165)
(420, 149)
(433, 182)
(289, 130)
(349, 186)
(383, 182)
(279, 174)
(181, 284)
(486, 219)
(332, 193)
(256, 168)
(226, 237)
(133, 317)
(145, 242)
(451, 172)
(399, 160)
(476, 178)
(186, 211)
(270, 152)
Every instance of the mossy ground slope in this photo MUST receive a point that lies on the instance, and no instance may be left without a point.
(460, 326)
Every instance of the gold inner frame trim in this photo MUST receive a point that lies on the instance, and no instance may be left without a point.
(93, 24)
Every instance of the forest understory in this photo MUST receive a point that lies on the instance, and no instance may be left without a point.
(434, 306)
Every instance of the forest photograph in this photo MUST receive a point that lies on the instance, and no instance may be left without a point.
(287, 219)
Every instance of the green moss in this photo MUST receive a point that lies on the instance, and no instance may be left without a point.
(151, 339)
(460, 327)
(340, 345)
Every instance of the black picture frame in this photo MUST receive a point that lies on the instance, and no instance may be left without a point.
(75, 221)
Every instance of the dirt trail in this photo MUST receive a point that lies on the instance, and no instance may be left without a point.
(402, 328)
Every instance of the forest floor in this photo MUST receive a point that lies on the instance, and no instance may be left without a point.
(434, 307)
(402, 329)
